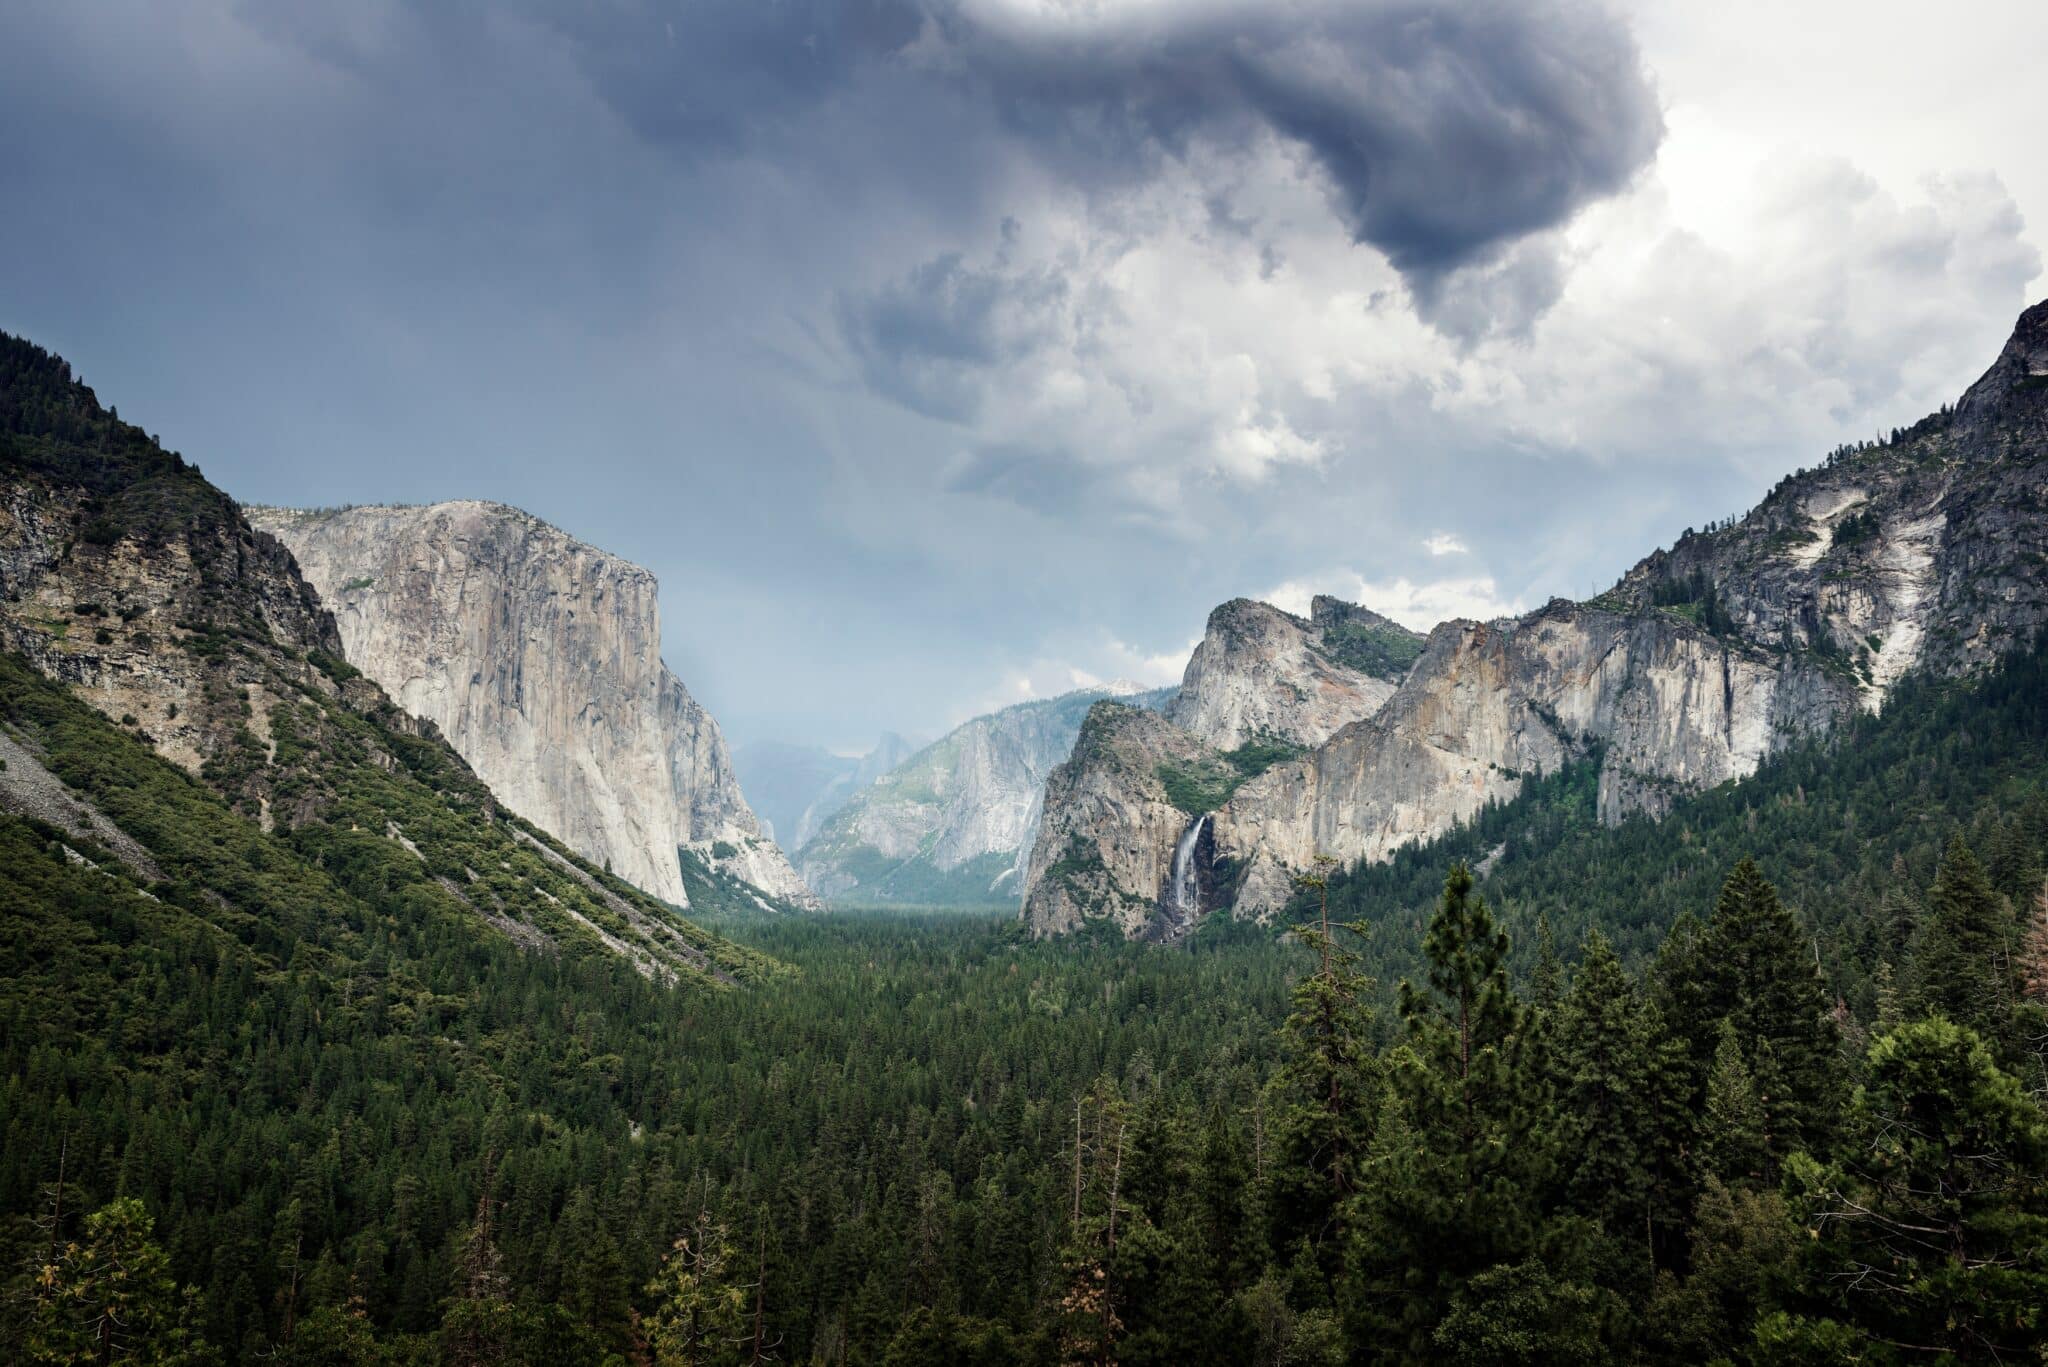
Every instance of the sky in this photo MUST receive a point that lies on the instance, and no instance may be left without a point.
(940, 354)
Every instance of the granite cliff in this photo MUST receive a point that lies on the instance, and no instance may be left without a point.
(1261, 673)
(130, 583)
(1927, 551)
(539, 658)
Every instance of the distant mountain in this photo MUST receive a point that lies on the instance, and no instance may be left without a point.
(1927, 552)
(794, 788)
(539, 657)
(175, 712)
(950, 825)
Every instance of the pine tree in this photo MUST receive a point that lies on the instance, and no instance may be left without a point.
(700, 1314)
(1930, 1231)
(1959, 960)
(1733, 1134)
(1602, 1130)
(1091, 1324)
(1455, 1189)
(111, 1299)
(1322, 1100)
(1757, 972)
(1546, 980)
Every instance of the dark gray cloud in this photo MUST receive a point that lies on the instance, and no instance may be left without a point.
(1446, 129)
(920, 344)
(930, 340)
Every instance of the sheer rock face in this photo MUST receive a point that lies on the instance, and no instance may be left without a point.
(1929, 551)
(1105, 846)
(539, 658)
(1675, 709)
(1261, 673)
(957, 820)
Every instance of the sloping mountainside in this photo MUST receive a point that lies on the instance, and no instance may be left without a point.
(1264, 674)
(129, 580)
(952, 825)
(1928, 552)
(795, 789)
(539, 658)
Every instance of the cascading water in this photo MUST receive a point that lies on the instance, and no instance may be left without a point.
(1184, 888)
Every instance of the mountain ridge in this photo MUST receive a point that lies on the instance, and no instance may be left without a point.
(1926, 551)
(955, 821)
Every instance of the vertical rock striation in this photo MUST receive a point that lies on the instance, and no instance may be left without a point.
(539, 658)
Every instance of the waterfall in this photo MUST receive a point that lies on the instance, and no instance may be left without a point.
(1186, 891)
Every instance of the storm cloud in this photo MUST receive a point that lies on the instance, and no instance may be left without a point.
(935, 352)
(1444, 129)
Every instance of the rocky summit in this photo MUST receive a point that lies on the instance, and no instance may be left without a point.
(1927, 551)
(539, 657)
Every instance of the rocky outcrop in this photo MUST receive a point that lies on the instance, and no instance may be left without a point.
(953, 824)
(1106, 847)
(1264, 674)
(539, 657)
(1925, 552)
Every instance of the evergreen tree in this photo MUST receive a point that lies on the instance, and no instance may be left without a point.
(1602, 1129)
(1930, 1230)
(700, 1312)
(1322, 1099)
(1742, 1243)
(1546, 980)
(1734, 1129)
(1454, 1189)
(1959, 960)
(1757, 972)
(110, 1299)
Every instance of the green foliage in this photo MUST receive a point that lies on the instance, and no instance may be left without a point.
(1383, 652)
(53, 427)
(1322, 1102)
(107, 1298)
(1958, 960)
(1204, 784)
(1456, 1172)
(1840, 826)
(920, 882)
(1931, 1227)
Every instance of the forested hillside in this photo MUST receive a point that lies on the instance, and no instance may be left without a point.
(316, 1056)
(363, 1137)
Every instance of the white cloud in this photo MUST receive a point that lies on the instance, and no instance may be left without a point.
(1116, 665)
(1418, 606)
(1444, 543)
